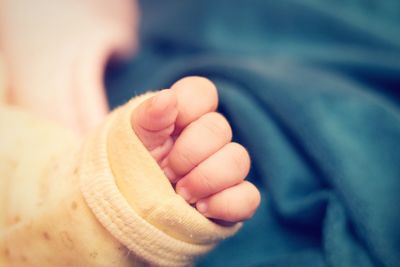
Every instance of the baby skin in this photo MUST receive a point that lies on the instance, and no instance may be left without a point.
(192, 144)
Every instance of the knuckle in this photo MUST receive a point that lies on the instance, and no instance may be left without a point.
(216, 124)
(208, 85)
(252, 200)
(245, 206)
(202, 82)
(182, 158)
(230, 213)
(205, 181)
(240, 158)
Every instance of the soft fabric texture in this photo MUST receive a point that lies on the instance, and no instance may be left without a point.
(312, 90)
(101, 201)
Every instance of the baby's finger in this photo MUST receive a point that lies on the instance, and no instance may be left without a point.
(227, 167)
(196, 97)
(153, 121)
(234, 204)
(198, 141)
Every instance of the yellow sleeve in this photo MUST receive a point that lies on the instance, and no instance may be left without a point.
(102, 201)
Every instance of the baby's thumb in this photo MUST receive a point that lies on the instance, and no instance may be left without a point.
(154, 120)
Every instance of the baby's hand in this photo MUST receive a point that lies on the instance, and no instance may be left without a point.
(192, 144)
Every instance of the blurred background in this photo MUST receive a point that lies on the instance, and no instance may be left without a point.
(312, 90)
(356, 39)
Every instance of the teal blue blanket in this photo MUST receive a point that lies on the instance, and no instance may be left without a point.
(312, 89)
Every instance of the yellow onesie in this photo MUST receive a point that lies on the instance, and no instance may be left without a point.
(100, 201)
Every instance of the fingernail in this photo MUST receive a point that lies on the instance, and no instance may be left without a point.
(201, 206)
(184, 193)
